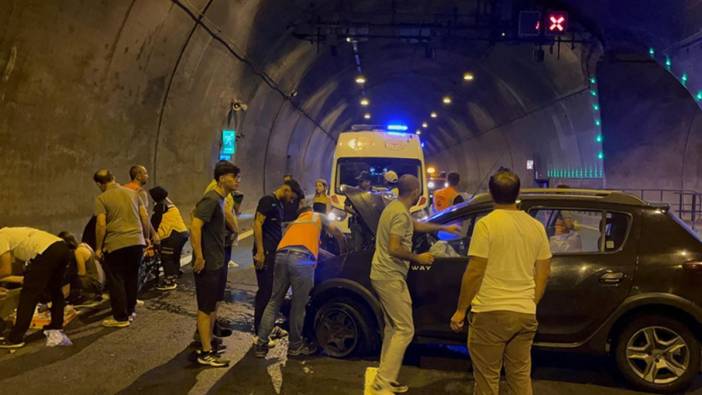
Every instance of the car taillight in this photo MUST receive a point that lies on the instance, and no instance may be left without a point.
(693, 266)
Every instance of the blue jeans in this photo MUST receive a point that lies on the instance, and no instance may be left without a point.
(294, 268)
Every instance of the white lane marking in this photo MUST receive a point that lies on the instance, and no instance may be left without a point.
(245, 235)
(369, 378)
(187, 257)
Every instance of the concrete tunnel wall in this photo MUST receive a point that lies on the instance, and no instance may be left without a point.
(88, 85)
(652, 128)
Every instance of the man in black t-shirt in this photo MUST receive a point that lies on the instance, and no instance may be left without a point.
(268, 232)
(208, 241)
(291, 207)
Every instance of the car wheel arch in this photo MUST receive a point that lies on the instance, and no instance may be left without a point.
(663, 304)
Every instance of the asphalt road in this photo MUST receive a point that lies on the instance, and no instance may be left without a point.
(153, 356)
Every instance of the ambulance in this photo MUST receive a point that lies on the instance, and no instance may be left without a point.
(374, 151)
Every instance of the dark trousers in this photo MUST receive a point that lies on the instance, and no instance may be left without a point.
(122, 269)
(171, 249)
(44, 272)
(264, 278)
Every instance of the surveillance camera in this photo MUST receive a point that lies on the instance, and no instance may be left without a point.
(239, 106)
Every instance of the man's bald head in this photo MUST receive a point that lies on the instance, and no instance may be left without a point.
(103, 176)
(407, 185)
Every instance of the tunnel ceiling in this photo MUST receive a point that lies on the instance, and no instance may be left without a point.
(414, 52)
(412, 56)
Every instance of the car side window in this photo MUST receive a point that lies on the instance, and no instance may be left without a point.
(616, 230)
(571, 231)
(460, 243)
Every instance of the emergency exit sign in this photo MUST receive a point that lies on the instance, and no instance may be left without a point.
(228, 142)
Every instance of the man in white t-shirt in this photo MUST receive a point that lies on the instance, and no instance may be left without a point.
(510, 262)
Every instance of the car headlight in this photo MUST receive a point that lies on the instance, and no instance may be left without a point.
(336, 215)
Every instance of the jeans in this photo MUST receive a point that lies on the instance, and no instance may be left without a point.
(292, 268)
(171, 249)
(44, 272)
(399, 328)
(264, 279)
(497, 339)
(122, 270)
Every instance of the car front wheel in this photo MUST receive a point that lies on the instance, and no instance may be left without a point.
(658, 354)
(343, 327)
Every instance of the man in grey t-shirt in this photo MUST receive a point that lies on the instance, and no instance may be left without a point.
(393, 254)
(120, 237)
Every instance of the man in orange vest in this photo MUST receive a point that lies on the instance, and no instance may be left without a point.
(295, 263)
(447, 197)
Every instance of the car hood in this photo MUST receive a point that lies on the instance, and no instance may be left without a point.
(369, 205)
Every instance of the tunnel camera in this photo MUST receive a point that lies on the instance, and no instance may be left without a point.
(239, 106)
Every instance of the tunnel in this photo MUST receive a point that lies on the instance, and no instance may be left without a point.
(612, 103)
(594, 104)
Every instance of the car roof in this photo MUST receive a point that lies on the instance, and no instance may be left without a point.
(591, 195)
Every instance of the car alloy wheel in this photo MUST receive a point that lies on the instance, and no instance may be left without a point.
(658, 355)
(337, 331)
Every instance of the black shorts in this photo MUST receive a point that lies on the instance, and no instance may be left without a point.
(207, 284)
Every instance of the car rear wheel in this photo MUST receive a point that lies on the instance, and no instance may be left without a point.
(658, 354)
(343, 327)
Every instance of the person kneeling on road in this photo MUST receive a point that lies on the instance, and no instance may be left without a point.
(173, 233)
(295, 263)
(47, 258)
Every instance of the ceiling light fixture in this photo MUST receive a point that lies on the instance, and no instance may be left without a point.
(367, 116)
(360, 80)
(418, 132)
(467, 76)
(365, 102)
(425, 125)
(433, 114)
(447, 100)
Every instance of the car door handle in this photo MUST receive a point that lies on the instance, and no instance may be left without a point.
(612, 278)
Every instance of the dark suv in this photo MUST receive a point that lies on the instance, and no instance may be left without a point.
(625, 281)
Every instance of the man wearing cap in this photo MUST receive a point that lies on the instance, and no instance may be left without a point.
(268, 231)
(173, 233)
(391, 180)
(291, 207)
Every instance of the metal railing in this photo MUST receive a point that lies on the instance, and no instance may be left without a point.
(686, 204)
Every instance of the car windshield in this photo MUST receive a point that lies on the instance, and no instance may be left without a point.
(348, 170)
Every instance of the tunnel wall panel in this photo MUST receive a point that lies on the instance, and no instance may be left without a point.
(82, 87)
(650, 128)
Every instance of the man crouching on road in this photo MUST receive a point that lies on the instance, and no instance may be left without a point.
(393, 254)
(510, 262)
